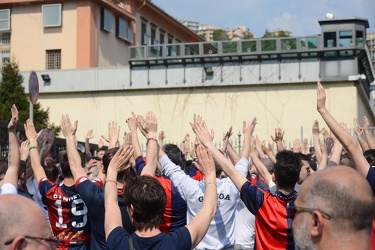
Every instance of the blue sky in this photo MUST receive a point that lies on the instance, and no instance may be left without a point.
(298, 16)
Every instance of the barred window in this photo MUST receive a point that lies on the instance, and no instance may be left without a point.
(53, 59)
(4, 56)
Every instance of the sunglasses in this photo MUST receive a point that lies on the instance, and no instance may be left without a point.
(54, 240)
(293, 210)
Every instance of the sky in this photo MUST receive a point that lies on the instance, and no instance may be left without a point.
(298, 16)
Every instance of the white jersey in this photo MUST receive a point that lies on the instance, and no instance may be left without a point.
(245, 227)
(221, 232)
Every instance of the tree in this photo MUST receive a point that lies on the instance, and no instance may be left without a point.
(12, 92)
(220, 35)
(267, 34)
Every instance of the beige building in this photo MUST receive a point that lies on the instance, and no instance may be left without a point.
(44, 35)
(370, 39)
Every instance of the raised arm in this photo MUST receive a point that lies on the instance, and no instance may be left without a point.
(132, 124)
(359, 133)
(198, 226)
(278, 139)
(326, 150)
(261, 169)
(112, 214)
(258, 147)
(269, 153)
(89, 136)
(200, 128)
(11, 176)
(348, 141)
(316, 132)
(150, 126)
(32, 136)
(74, 159)
(369, 138)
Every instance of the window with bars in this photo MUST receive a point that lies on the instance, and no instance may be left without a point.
(53, 59)
(4, 56)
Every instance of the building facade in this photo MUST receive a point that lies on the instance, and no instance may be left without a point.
(46, 35)
(370, 39)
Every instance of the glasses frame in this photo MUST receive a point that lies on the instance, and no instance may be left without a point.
(54, 240)
(290, 206)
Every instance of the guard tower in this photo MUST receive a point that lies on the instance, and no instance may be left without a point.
(344, 50)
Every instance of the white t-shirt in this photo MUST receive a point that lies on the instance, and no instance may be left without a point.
(245, 227)
(220, 234)
(8, 188)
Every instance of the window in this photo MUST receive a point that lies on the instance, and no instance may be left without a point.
(5, 20)
(106, 20)
(329, 39)
(121, 28)
(130, 35)
(346, 38)
(53, 59)
(4, 56)
(5, 38)
(143, 32)
(162, 38)
(51, 15)
(153, 35)
(359, 38)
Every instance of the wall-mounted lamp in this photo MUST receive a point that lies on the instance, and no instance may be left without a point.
(46, 78)
(209, 71)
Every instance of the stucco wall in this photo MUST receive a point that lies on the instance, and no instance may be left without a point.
(30, 42)
(291, 107)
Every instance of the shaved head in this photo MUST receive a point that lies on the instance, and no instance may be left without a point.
(21, 216)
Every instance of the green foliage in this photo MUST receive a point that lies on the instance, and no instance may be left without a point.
(220, 35)
(267, 34)
(12, 92)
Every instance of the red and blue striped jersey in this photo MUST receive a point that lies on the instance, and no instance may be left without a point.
(67, 214)
(174, 215)
(273, 228)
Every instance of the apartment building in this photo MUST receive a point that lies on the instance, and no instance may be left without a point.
(370, 39)
(46, 35)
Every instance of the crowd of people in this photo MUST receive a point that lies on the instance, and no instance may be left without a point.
(192, 196)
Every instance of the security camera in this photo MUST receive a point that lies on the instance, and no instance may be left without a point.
(330, 16)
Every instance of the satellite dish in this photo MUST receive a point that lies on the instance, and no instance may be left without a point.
(330, 16)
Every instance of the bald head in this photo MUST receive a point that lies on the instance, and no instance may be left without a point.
(21, 216)
(343, 193)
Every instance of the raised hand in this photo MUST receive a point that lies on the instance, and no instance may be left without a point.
(151, 124)
(120, 160)
(66, 126)
(206, 163)
(30, 131)
(248, 129)
(127, 138)
(89, 134)
(357, 129)
(113, 134)
(279, 135)
(321, 97)
(297, 146)
(132, 122)
(24, 150)
(14, 120)
(200, 129)
(315, 128)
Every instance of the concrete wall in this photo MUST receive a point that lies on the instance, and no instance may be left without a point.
(291, 107)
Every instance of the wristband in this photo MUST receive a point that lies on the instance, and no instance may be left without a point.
(154, 139)
(105, 183)
(31, 147)
(208, 183)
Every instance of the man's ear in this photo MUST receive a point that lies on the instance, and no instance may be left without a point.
(19, 242)
(317, 224)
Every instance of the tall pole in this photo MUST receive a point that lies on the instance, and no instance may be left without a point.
(31, 111)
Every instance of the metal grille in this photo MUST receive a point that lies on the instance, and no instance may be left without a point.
(53, 59)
